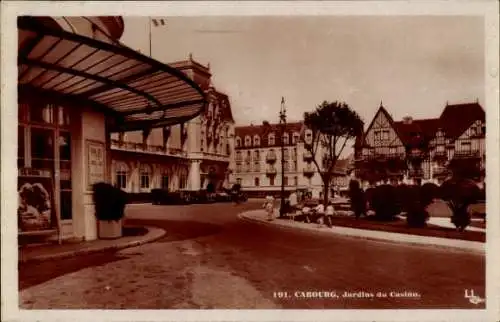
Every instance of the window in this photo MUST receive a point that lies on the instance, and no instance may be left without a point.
(256, 140)
(248, 141)
(228, 149)
(440, 148)
(121, 175)
(248, 168)
(238, 156)
(164, 182)
(256, 182)
(295, 138)
(20, 146)
(270, 139)
(183, 181)
(145, 173)
(286, 181)
(41, 113)
(249, 155)
(285, 138)
(238, 181)
(271, 181)
(466, 146)
(238, 167)
(238, 141)
(385, 135)
(392, 150)
(256, 166)
(295, 181)
(256, 155)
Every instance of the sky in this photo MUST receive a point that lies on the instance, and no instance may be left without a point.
(413, 64)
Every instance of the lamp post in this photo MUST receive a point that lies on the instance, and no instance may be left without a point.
(282, 143)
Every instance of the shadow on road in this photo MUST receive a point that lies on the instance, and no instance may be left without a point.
(35, 273)
(180, 230)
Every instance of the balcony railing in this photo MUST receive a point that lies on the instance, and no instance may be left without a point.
(465, 154)
(440, 171)
(271, 157)
(416, 173)
(309, 171)
(147, 148)
(271, 171)
(440, 155)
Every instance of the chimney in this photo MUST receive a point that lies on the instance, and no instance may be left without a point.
(407, 120)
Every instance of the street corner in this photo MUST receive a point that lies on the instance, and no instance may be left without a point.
(45, 253)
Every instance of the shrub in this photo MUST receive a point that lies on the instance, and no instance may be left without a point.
(460, 193)
(109, 202)
(357, 196)
(428, 192)
(384, 203)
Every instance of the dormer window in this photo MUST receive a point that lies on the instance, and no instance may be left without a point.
(285, 138)
(248, 140)
(238, 141)
(256, 140)
(270, 139)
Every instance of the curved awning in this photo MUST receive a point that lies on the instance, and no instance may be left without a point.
(139, 91)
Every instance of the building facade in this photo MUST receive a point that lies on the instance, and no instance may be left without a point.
(423, 150)
(257, 160)
(185, 156)
(76, 85)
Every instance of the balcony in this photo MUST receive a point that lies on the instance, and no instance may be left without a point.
(416, 173)
(271, 171)
(147, 148)
(308, 156)
(271, 157)
(466, 154)
(440, 156)
(439, 172)
(309, 171)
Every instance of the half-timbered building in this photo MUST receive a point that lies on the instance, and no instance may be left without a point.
(423, 150)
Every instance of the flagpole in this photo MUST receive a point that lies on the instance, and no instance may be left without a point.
(150, 39)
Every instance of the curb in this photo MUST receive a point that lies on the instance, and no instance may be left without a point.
(437, 242)
(153, 234)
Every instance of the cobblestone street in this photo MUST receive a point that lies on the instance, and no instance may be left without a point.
(211, 259)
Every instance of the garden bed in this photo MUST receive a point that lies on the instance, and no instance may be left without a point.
(400, 226)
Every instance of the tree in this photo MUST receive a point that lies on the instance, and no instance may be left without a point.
(332, 126)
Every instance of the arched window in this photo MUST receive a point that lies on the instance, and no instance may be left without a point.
(238, 141)
(144, 176)
(256, 140)
(270, 139)
(248, 140)
(121, 175)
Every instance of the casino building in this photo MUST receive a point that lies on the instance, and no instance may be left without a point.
(80, 92)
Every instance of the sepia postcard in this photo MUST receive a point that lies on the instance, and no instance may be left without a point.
(250, 161)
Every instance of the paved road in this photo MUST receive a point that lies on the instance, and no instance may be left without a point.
(212, 259)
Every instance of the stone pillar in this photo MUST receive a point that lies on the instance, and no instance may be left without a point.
(194, 182)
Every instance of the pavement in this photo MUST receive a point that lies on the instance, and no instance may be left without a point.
(54, 251)
(260, 216)
(445, 222)
(211, 259)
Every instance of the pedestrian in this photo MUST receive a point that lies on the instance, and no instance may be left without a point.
(319, 213)
(269, 207)
(330, 211)
(292, 199)
(306, 212)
